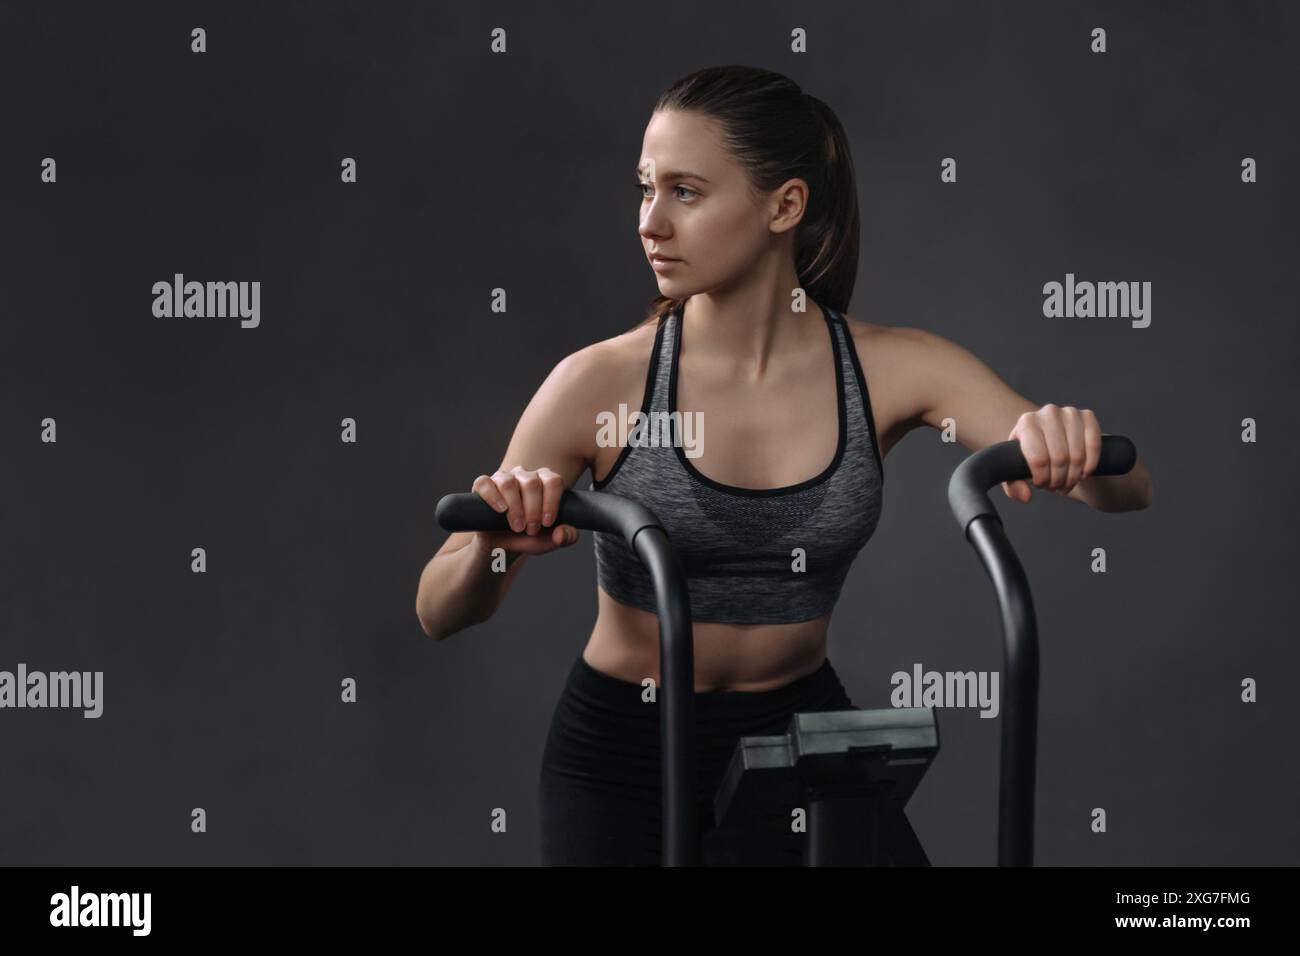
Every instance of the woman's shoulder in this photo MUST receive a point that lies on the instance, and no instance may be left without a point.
(562, 416)
(871, 337)
(608, 363)
(915, 347)
(598, 377)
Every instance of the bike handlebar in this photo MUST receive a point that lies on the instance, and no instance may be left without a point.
(646, 537)
(989, 467)
(979, 521)
(588, 510)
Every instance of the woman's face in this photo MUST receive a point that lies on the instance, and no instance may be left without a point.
(698, 207)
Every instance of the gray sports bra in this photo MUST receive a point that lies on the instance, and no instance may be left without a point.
(750, 556)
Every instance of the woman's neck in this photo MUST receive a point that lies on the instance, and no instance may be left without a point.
(744, 328)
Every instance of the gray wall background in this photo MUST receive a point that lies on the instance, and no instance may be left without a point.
(480, 170)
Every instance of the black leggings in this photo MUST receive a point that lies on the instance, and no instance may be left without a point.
(600, 798)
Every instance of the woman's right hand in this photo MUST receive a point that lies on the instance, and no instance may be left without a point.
(530, 500)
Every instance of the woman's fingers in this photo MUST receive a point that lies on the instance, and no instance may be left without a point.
(552, 491)
(508, 486)
(1061, 446)
(531, 502)
(487, 489)
(1018, 490)
(530, 493)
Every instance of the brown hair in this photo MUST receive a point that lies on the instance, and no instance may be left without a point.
(778, 132)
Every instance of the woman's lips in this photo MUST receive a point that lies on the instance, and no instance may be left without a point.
(660, 262)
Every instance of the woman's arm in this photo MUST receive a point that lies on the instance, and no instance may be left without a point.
(1061, 443)
(458, 587)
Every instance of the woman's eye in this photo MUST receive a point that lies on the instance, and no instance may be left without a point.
(641, 188)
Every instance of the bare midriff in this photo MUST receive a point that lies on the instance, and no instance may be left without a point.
(625, 644)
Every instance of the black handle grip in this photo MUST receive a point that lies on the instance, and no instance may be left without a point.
(587, 510)
(989, 467)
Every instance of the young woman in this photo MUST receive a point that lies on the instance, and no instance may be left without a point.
(749, 220)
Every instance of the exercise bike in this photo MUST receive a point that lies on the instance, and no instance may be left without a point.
(852, 771)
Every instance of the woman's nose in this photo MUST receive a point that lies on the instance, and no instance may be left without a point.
(654, 224)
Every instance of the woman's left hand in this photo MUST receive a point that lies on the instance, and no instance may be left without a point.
(1062, 446)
